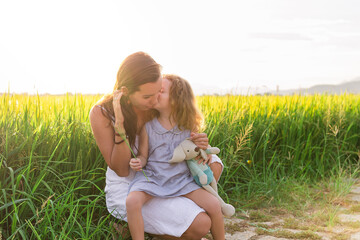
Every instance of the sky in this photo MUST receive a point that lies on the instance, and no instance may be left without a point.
(218, 46)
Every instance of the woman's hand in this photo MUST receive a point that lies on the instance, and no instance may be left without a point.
(135, 164)
(119, 117)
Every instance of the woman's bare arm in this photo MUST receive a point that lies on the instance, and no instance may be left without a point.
(117, 156)
(216, 169)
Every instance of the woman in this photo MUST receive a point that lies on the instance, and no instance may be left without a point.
(118, 117)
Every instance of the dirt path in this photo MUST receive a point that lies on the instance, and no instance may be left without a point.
(257, 226)
(341, 223)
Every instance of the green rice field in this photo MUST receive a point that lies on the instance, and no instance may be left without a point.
(52, 174)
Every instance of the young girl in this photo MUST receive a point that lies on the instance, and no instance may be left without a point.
(177, 117)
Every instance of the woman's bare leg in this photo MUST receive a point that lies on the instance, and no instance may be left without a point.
(134, 202)
(198, 229)
(212, 206)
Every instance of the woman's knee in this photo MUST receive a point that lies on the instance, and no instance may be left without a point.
(199, 227)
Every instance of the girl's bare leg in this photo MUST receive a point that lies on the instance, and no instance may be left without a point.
(212, 206)
(134, 202)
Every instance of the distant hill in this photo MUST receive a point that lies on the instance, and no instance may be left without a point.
(352, 86)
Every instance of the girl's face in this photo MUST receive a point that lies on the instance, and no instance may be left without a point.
(163, 102)
(147, 96)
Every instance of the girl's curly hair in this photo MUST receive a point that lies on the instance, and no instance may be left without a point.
(183, 104)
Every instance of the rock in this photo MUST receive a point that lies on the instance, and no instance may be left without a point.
(349, 218)
(355, 198)
(271, 238)
(240, 235)
(355, 190)
(355, 236)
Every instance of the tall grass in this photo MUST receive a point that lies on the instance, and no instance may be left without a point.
(52, 173)
(269, 141)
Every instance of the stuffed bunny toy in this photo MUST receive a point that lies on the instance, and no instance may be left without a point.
(202, 174)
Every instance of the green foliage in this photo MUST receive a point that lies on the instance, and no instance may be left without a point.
(51, 171)
(52, 174)
(265, 140)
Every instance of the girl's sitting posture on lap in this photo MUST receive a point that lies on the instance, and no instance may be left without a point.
(177, 116)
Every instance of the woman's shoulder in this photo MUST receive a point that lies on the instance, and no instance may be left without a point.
(99, 109)
(97, 114)
(95, 111)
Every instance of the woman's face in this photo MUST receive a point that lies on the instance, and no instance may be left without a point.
(147, 96)
(163, 102)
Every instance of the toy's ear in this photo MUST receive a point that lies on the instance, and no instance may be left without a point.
(203, 154)
(178, 155)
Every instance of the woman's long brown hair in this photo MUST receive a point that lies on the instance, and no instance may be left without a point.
(137, 69)
(183, 104)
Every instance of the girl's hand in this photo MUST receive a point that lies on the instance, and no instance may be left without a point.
(135, 164)
(200, 139)
(204, 161)
(119, 117)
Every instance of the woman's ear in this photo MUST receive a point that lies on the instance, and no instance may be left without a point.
(125, 91)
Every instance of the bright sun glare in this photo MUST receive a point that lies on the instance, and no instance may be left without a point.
(77, 46)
